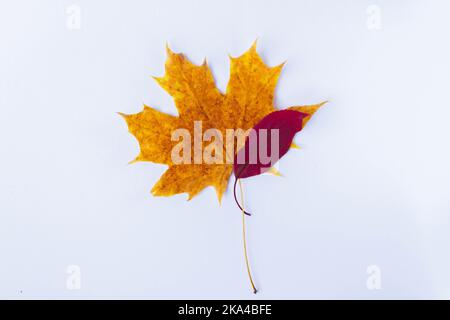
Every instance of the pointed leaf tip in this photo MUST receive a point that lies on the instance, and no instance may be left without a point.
(322, 103)
(294, 146)
(254, 45)
(134, 160)
(169, 52)
(274, 172)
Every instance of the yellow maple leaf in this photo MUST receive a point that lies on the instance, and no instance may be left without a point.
(249, 97)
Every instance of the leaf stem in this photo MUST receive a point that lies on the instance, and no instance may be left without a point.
(235, 198)
(245, 241)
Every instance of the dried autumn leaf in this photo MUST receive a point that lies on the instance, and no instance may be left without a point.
(248, 98)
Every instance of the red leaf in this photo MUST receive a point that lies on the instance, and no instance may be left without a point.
(252, 158)
(269, 140)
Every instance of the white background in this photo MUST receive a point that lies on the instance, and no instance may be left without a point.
(369, 187)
